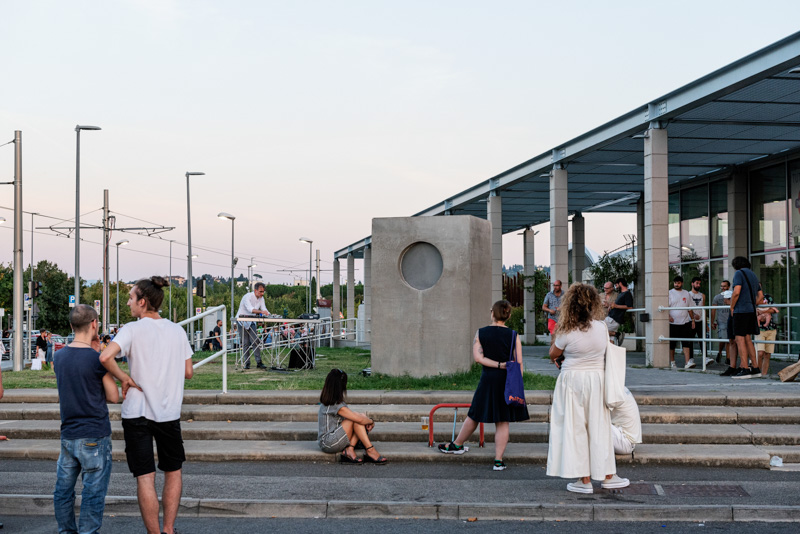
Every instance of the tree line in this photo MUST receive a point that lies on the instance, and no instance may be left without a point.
(53, 303)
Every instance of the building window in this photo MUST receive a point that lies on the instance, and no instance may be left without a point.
(674, 228)
(768, 228)
(794, 203)
(694, 224)
(718, 204)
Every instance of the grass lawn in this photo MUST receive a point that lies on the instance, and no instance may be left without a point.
(350, 360)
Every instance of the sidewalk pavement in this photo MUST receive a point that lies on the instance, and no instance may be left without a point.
(640, 378)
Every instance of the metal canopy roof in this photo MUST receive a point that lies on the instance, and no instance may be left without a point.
(743, 112)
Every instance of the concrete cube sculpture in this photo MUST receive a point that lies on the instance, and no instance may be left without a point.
(431, 280)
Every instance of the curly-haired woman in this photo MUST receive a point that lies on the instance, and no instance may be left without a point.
(581, 443)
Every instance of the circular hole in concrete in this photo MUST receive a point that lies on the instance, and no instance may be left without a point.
(421, 265)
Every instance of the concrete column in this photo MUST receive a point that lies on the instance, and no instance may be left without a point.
(559, 236)
(737, 215)
(530, 306)
(336, 305)
(638, 290)
(578, 247)
(656, 244)
(494, 211)
(367, 293)
(351, 297)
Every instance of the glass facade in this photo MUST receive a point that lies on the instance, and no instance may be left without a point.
(768, 203)
(698, 238)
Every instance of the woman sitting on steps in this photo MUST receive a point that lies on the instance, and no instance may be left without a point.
(340, 428)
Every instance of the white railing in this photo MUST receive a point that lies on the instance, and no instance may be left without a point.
(704, 340)
(224, 352)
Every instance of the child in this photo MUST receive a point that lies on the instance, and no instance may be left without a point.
(340, 428)
(768, 329)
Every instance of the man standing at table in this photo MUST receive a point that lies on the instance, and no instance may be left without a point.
(252, 304)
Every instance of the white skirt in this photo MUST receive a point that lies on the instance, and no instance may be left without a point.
(581, 443)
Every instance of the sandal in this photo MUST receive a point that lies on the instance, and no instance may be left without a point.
(347, 460)
(367, 458)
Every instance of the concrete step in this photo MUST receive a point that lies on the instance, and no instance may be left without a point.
(411, 413)
(785, 395)
(730, 434)
(739, 456)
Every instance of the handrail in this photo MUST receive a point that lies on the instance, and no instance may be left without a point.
(455, 405)
(224, 351)
(704, 340)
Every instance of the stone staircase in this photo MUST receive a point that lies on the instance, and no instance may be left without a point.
(708, 428)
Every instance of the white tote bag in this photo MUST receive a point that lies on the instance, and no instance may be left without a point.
(615, 375)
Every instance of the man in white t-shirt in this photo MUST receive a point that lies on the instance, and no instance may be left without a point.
(681, 322)
(252, 304)
(159, 358)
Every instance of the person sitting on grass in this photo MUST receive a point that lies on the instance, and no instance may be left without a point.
(340, 428)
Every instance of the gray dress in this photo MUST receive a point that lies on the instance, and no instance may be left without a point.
(331, 436)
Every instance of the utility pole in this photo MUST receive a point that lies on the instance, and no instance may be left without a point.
(18, 289)
(319, 293)
(108, 224)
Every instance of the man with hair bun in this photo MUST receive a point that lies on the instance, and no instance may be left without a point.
(160, 358)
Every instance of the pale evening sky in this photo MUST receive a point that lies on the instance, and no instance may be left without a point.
(310, 118)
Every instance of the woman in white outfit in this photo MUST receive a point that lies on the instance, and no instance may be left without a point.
(581, 443)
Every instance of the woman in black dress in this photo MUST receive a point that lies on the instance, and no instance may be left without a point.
(492, 349)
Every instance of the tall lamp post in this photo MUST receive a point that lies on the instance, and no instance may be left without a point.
(308, 303)
(78, 129)
(231, 218)
(189, 281)
(169, 314)
(123, 242)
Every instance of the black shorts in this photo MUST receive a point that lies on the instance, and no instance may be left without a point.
(681, 330)
(139, 435)
(745, 324)
(731, 336)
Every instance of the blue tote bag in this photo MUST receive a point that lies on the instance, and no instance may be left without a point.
(515, 389)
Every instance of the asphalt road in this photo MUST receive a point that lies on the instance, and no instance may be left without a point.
(130, 525)
(448, 481)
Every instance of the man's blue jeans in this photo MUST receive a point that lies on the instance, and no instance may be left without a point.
(91, 458)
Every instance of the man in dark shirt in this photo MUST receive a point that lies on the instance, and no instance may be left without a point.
(746, 293)
(84, 388)
(216, 340)
(616, 312)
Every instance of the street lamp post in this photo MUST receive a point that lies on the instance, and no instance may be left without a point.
(231, 218)
(189, 281)
(123, 242)
(33, 304)
(308, 302)
(169, 313)
(78, 129)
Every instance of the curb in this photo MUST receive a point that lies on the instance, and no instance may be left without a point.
(28, 505)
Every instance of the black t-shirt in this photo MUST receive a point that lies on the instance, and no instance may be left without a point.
(623, 299)
(79, 375)
(41, 343)
(217, 331)
(496, 342)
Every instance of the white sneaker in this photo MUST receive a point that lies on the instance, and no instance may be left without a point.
(580, 487)
(690, 364)
(615, 482)
(709, 361)
(672, 365)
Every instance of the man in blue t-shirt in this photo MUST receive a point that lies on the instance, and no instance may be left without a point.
(746, 292)
(84, 388)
